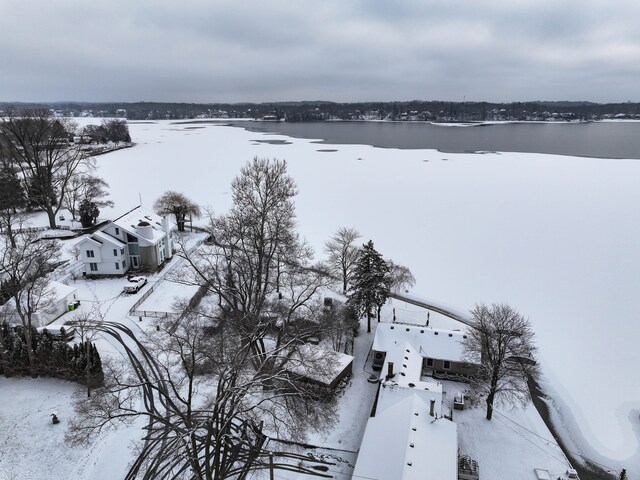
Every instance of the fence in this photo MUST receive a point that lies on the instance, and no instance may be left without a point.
(140, 301)
(41, 229)
(155, 314)
(66, 274)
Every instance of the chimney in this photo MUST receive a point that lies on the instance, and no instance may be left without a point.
(432, 407)
(168, 245)
(389, 370)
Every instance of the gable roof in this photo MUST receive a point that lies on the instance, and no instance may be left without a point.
(404, 442)
(99, 235)
(429, 342)
(89, 238)
(130, 221)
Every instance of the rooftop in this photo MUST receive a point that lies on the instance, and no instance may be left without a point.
(404, 442)
(428, 342)
(140, 215)
(103, 237)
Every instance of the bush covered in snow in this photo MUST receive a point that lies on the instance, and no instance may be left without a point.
(54, 357)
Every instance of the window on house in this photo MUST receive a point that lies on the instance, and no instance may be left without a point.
(115, 252)
(117, 231)
(90, 254)
(429, 362)
(122, 251)
(446, 364)
(117, 266)
(124, 264)
(93, 267)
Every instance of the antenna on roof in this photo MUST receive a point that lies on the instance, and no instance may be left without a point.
(140, 196)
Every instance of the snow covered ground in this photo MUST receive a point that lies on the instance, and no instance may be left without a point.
(557, 237)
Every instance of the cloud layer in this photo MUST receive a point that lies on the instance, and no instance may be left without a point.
(342, 50)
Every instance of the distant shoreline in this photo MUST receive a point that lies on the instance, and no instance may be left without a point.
(606, 139)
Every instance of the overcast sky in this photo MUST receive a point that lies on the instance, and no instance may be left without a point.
(341, 50)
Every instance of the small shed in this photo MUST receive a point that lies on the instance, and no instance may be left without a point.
(320, 365)
(60, 297)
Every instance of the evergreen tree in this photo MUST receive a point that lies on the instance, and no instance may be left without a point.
(88, 213)
(370, 283)
(12, 200)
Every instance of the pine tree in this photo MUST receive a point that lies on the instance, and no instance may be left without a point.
(88, 212)
(370, 282)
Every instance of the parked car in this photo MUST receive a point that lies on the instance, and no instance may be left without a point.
(135, 284)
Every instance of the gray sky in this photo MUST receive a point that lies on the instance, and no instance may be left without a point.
(342, 50)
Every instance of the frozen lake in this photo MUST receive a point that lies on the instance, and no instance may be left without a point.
(557, 237)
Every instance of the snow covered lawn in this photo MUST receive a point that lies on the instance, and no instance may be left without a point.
(30, 445)
(166, 294)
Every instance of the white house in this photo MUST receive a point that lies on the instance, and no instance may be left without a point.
(139, 239)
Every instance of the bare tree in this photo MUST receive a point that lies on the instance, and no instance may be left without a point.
(85, 187)
(400, 277)
(210, 412)
(502, 343)
(343, 254)
(252, 248)
(23, 271)
(87, 324)
(178, 205)
(39, 147)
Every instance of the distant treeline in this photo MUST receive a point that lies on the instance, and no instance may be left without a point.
(323, 110)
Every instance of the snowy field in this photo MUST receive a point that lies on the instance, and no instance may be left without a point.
(557, 237)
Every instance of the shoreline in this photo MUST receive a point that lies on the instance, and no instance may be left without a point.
(586, 469)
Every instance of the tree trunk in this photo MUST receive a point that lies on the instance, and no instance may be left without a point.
(31, 354)
(52, 217)
(492, 393)
(368, 321)
(490, 405)
(379, 308)
(10, 233)
(25, 317)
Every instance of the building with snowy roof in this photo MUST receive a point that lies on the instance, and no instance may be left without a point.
(139, 239)
(319, 365)
(407, 437)
(439, 351)
(54, 301)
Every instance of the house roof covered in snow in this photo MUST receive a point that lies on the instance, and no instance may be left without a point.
(402, 441)
(60, 291)
(407, 369)
(103, 237)
(428, 342)
(143, 224)
(318, 363)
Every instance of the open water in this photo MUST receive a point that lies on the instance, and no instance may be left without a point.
(588, 139)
